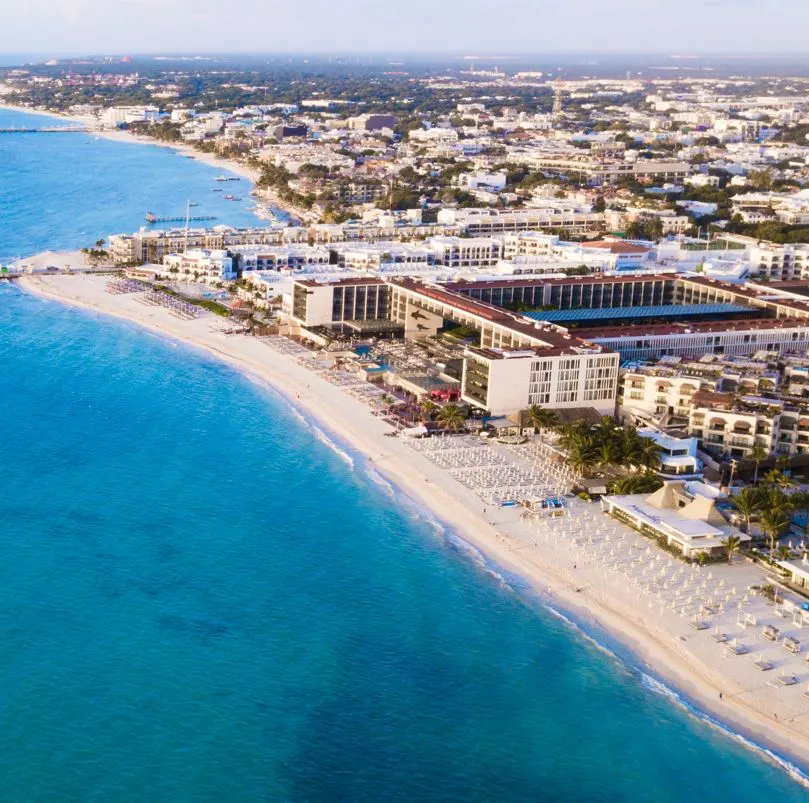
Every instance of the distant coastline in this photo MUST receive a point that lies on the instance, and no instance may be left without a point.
(266, 196)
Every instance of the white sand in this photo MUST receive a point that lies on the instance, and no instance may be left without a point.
(63, 260)
(661, 638)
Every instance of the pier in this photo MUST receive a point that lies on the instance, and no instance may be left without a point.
(152, 218)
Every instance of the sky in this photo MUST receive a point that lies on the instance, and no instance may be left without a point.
(455, 27)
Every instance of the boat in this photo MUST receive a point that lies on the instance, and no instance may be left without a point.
(228, 197)
(217, 189)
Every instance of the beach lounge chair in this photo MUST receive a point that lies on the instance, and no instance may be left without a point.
(791, 644)
(786, 680)
(770, 632)
(762, 665)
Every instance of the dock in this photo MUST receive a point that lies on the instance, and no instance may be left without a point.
(152, 218)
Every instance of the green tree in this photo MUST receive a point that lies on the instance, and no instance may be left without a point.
(773, 522)
(784, 553)
(540, 418)
(747, 502)
(451, 416)
(731, 545)
(777, 479)
(428, 408)
(757, 454)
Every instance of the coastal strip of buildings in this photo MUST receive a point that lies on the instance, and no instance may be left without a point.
(703, 346)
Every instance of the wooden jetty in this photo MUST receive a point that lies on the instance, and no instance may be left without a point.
(153, 218)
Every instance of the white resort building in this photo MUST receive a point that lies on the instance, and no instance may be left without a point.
(681, 515)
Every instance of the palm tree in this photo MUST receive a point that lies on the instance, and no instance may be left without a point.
(747, 503)
(702, 556)
(784, 553)
(773, 498)
(450, 416)
(606, 428)
(757, 454)
(428, 407)
(778, 479)
(731, 544)
(572, 433)
(624, 486)
(540, 418)
(773, 522)
(648, 453)
(606, 454)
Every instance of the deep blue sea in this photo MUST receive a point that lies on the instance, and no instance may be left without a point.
(203, 599)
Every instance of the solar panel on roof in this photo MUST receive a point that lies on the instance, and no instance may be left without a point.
(657, 311)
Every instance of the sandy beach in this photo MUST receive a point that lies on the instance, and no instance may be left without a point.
(566, 574)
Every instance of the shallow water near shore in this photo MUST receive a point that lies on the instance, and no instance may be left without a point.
(202, 598)
(66, 191)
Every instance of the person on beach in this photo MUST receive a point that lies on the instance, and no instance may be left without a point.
(721, 696)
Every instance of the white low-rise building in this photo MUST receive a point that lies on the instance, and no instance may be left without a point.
(280, 258)
(466, 252)
(678, 515)
(205, 266)
(678, 456)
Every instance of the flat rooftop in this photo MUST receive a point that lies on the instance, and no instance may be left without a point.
(546, 336)
(655, 311)
(540, 281)
(704, 327)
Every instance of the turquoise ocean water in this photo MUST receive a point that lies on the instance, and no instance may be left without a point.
(69, 190)
(204, 598)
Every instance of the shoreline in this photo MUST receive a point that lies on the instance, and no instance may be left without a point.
(263, 196)
(656, 653)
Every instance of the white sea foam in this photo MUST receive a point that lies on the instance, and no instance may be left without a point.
(379, 480)
(478, 558)
(658, 687)
(309, 424)
(580, 631)
(325, 439)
